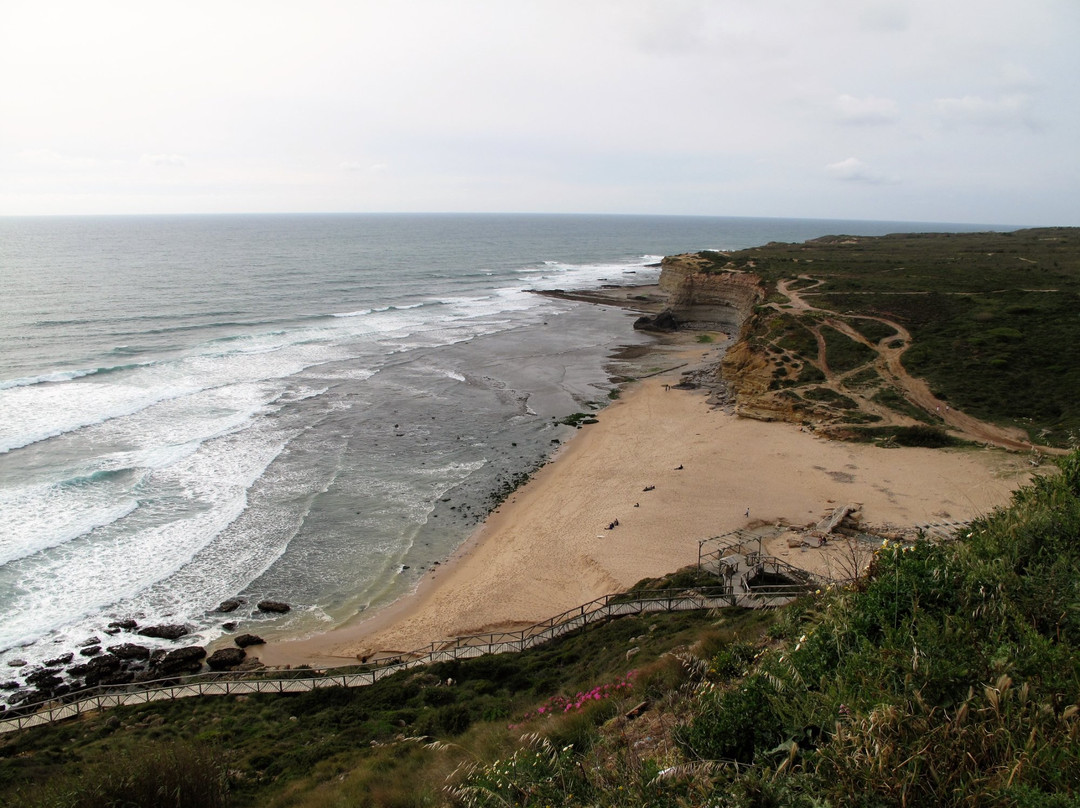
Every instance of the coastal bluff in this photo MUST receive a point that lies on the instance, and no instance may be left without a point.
(701, 296)
(703, 291)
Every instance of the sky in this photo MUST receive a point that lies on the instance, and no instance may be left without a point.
(900, 110)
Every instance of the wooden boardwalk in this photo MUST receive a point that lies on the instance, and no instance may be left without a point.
(303, 680)
(735, 558)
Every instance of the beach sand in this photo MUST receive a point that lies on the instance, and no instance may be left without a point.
(547, 549)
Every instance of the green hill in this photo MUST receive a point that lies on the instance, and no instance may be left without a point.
(993, 318)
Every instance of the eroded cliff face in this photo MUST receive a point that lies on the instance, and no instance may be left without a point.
(725, 299)
(748, 374)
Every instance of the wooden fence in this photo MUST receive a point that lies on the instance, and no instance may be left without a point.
(298, 680)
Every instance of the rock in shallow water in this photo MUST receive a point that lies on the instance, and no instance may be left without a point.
(273, 606)
(225, 659)
(130, 650)
(182, 660)
(167, 632)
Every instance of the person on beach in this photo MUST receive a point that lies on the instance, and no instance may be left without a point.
(747, 513)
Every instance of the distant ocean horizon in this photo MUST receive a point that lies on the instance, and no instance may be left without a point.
(312, 408)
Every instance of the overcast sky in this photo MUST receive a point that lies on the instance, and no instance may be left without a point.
(913, 110)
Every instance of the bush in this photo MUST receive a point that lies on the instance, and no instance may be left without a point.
(165, 775)
(735, 724)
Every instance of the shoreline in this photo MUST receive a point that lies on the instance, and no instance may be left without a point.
(546, 548)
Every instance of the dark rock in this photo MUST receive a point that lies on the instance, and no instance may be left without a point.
(230, 626)
(664, 321)
(93, 650)
(112, 632)
(44, 679)
(63, 659)
(130, 650)
(126, 625)
(17, 663)
(275, 606)
(101, 668)
(225, 659)
(79, 670)
(90, 641)
(182, 660)
(118, 678)
(13, 685)
(244, 640)
(168, 632)
(230, 605)
(23, 696)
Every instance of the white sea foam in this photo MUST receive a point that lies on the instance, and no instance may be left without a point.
(193, 501)
(45, 378)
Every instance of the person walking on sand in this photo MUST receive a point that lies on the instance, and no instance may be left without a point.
(747, 513)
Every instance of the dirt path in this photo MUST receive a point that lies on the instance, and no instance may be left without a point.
(890, 351)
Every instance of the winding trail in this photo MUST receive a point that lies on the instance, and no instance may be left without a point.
(890, 351)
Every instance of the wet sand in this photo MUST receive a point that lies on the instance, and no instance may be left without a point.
(547, 548)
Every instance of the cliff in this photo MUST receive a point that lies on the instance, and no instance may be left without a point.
(699, 295)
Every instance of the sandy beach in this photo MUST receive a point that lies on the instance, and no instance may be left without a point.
(548, 547)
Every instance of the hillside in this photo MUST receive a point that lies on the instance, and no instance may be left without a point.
(868, 332)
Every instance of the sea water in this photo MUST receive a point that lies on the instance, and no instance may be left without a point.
(311, 409)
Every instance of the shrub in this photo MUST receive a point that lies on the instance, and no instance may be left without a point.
(734, 724)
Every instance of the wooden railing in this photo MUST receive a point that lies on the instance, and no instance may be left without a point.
(299, 680)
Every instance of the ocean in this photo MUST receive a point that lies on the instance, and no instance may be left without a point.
(306, 408)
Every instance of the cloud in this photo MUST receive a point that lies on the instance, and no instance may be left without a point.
(974, 110)
(884, 15)
(855, 170)
(168, 160)
(869, 110)
(370, 168)
(49, 159)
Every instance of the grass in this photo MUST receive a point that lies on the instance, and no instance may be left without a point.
(299, 749)
(842, 353)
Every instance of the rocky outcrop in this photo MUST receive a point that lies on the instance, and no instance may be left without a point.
(168, 632)
(274, 606)
(749, 374)
(246, 640)
(721, 299)
(664, 321)
(129, 650)
(225, 659)
(182, 660)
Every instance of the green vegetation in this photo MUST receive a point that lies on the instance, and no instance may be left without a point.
(842, 353)
(928, 437)
(948, 676)
(889, 397)
(873, 330)
(991, 315)
(829, 396)
(791, 335)
(578, 418)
